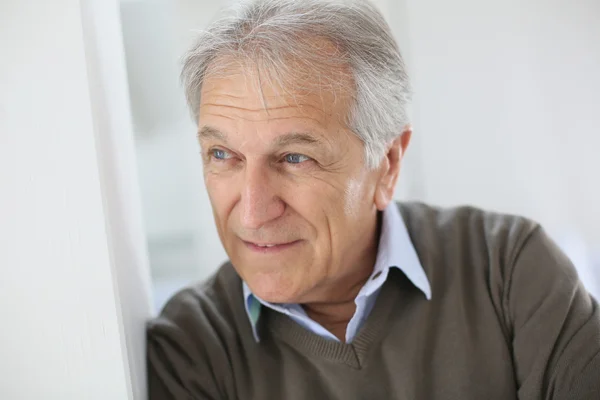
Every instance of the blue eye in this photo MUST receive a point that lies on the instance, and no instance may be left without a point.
(220, 154)
(296, 158)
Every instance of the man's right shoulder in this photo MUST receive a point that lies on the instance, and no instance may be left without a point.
(191, 343)
(213, 304)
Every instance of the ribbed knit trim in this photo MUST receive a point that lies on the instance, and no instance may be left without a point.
(353, 354)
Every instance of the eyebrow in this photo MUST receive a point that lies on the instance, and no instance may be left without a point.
(208, 132)
(296, 138)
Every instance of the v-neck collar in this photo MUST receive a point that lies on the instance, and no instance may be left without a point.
(352, 354)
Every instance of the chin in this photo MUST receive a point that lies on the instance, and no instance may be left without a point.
(273, 288)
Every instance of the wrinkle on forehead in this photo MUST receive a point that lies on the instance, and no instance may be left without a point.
(324, 87)
(262, 116)
(233, 98)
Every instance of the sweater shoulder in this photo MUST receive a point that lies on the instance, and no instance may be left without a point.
(466, 224)
(192, 342)
(466, 237)
(210, 305)
(469, 255)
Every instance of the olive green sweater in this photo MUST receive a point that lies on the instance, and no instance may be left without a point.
(508, 319)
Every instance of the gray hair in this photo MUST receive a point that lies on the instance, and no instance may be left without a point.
(270, 33)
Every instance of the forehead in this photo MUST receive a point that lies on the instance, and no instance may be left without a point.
(243, 92)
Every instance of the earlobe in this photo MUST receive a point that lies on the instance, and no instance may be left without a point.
(382, 199)
(387, 179)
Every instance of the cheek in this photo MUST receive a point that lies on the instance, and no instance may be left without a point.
(354, 194)
(221, 193)
(334, 203)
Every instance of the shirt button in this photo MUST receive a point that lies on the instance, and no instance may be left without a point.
(377, 275)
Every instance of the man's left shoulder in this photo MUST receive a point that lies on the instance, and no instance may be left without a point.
(466, 225)
(466, 238)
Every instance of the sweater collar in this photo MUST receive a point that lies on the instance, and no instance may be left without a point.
(395, 250)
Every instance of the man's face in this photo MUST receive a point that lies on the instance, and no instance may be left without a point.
(292, 198)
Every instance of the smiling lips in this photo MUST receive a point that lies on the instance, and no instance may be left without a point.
(269, 247)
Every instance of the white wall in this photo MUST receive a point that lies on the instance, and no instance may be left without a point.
(182, 239)
(507, 112)
(72, 258)
(508, 106)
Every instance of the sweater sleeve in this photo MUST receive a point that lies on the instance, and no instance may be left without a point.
(555, 325)
(172, 372)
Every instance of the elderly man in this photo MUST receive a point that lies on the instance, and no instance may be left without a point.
(333, 291)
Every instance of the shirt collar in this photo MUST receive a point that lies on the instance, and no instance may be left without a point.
(395, 250)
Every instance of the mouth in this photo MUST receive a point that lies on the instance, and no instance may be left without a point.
(269, 248)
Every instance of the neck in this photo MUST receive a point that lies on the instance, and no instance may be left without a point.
(333, 316)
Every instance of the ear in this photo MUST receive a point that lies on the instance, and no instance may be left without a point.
(390, 169)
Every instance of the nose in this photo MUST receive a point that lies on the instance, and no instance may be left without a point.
(259, 201)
